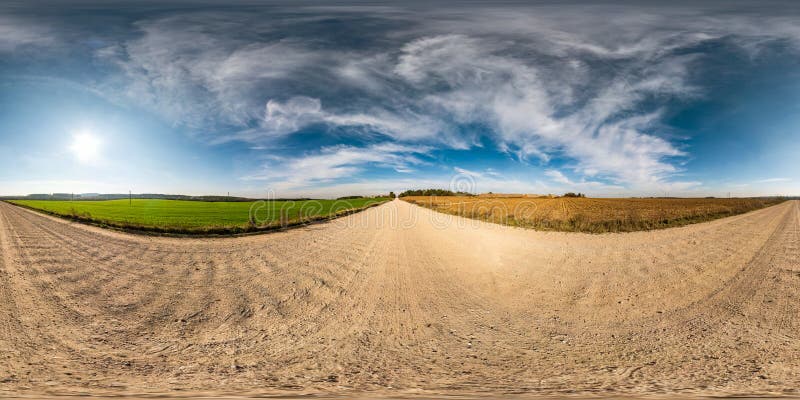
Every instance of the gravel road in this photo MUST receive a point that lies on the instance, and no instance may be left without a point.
(402, 301)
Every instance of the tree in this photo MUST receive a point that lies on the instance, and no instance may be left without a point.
(391, 195)
(433, 192)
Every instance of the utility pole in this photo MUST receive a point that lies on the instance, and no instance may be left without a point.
(130, 198)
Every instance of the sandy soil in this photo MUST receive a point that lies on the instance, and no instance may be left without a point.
(399, 300)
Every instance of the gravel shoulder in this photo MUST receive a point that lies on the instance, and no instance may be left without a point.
(399, 300)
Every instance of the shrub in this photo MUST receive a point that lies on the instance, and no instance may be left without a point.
(433, 192)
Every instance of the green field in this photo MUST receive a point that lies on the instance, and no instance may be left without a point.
(187, 217)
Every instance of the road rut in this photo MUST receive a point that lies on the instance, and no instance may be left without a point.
(401, 300)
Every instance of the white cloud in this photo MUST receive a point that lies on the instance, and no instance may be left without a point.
(557, 176)
(333, 163)
(284, 118)
(773, 180)
(15, 33)
(193, 72)
(483, 86)
(463, 171)
(562, 183)
(540, 83)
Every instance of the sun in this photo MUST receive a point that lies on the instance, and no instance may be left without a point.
(85, 147)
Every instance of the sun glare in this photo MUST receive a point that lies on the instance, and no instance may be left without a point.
(85, 147)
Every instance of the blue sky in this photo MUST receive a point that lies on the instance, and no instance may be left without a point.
(331, 99)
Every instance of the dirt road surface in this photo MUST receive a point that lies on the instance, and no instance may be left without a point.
(402, 301)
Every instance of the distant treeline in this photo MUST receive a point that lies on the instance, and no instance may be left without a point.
(444, 192)
(433, 192)
(380, 196)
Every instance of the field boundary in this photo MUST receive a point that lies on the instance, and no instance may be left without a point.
(576, 224)
(210, 232)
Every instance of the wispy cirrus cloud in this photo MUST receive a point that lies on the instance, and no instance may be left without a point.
(283, 118)
(197, 69)
(549, 86)
(20, 33)
(334, 163)
(773, 180)
(564, 183)
(425, 90)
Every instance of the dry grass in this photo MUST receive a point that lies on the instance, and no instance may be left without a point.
(590, 214)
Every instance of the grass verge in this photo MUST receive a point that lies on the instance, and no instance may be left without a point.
(196, 218)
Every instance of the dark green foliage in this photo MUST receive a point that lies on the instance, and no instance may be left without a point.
(433, 192)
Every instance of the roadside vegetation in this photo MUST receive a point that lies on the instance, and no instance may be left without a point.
(432, 192)
(580, 214)
(200, 217)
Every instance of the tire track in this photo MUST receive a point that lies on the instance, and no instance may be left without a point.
(392, 302)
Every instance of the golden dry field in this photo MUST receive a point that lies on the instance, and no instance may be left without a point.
(595, 215)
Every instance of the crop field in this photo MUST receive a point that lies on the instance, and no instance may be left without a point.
(592, 215)
(179, 216)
